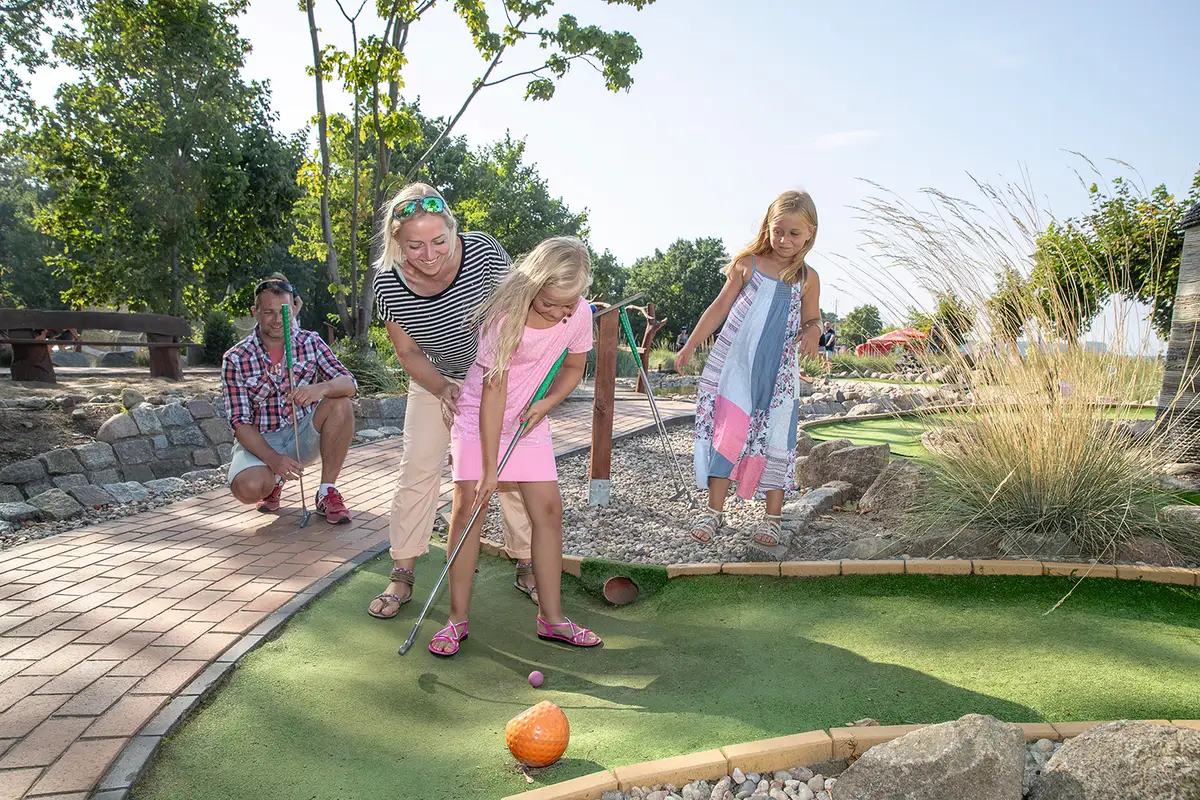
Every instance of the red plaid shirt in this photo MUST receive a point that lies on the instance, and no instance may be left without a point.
(256, 393)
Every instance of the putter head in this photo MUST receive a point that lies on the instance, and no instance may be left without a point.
(412, 637)
(686, 496)
(304, 518)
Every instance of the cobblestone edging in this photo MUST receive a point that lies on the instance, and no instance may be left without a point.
(766, 755)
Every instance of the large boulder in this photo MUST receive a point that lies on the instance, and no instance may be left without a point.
(127, 492)
(117, 428)
(61, 461)
(146, 417)
(976, 757)
(1127, 759)
(95, 455)
(839, 460)
(91, 496)
(120, 358)
(55, 504)
(901, 485)
(69, 358)
(19, 512)
(23, 471)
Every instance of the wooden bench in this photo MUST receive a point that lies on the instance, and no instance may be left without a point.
(31, 355)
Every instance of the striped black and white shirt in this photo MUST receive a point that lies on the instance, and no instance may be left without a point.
(439, 323)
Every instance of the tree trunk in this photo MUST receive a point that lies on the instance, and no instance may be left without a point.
(1179, 402)
(176, 281)
(331, 262)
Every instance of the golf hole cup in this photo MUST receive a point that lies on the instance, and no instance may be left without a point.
(620, 591)
(538, 736)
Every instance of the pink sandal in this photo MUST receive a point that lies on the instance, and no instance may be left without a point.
(451, 634)
(578, 637)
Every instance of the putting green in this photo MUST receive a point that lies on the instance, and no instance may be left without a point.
(904, 434)
(329, 710)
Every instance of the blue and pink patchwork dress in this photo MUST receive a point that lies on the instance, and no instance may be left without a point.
(748, 408)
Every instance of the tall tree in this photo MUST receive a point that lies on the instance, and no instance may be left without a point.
(372, 73)
(861, 324)
(26, 27)
(169, 182)
(490, 188)
(1128, 244)
(608, 277)
(26, 280)
(682, 281)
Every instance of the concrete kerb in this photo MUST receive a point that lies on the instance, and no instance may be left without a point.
(768, 755)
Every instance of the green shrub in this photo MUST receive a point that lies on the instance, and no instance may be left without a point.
(219, 335)
(373, 373)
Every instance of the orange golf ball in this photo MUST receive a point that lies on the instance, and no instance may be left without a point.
(538, 736)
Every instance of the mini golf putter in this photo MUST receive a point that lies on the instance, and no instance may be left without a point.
(681, 487)
(287, 350)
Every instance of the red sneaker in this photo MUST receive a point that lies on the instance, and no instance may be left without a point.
(271, 502)
(333, 508)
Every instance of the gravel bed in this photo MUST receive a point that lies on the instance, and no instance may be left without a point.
(10, 535)
(642, 524)
(798, 783)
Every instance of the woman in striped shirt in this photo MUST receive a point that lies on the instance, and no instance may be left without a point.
(429, 280)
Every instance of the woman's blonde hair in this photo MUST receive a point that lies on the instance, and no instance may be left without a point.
(561, 264)
(389, 251)
(790, 202)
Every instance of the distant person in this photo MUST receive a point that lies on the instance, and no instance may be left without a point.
(261, 405)
(828, 342)
(746, 416)
(682, 338)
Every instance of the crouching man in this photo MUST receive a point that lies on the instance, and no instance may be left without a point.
(260, 403)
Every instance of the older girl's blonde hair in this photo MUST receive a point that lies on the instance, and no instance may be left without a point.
(790, 202)
(561, 264)
(389, 251)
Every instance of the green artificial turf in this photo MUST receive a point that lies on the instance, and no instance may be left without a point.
(329, 710)
(904, 434)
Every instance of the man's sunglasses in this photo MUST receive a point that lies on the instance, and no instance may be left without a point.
(275, 286)
(433, 205)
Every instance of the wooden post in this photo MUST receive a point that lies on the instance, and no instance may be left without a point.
(600, 487)
(31, 362)
(164, 361)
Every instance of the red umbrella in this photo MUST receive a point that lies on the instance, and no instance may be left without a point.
(882, 345)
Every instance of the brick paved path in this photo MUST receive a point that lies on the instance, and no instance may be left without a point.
(102, 627)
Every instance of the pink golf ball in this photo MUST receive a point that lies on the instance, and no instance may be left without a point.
(536, 678)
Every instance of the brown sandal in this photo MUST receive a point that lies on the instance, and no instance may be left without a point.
(525, 568)
(399, 575)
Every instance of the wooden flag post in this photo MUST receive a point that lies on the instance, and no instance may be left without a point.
(600, 485)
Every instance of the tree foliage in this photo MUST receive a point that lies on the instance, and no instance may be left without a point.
(948, 325)
(1128, 244)
(861, 324)
(26, 26)
(168, 180)
(26, 281)
(682, 281)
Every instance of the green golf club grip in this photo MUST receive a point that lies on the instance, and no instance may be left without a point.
(629, 338)
(287, 334)
(549, 379)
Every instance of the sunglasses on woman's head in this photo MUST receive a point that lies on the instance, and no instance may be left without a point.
(433, 205)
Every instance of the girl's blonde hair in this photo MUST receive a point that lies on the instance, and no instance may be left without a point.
(389, 251)
(790, 202)
(561, 264)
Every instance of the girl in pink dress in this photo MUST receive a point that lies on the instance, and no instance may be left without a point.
(535, 314)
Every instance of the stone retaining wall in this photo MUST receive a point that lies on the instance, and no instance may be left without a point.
(150, 442)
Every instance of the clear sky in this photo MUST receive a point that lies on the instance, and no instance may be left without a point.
(735, 101)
